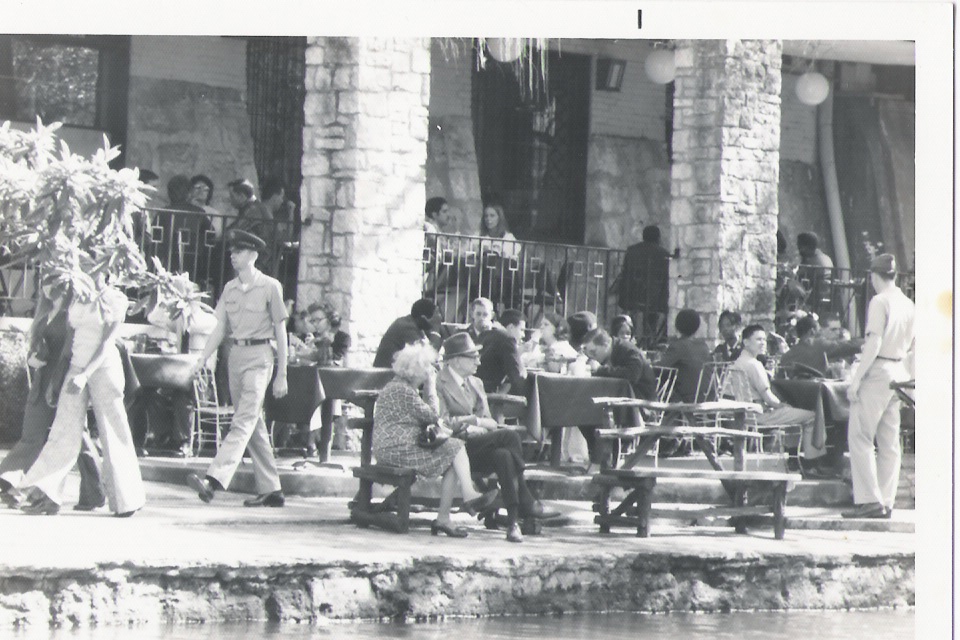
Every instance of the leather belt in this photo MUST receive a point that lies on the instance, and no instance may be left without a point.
(889, 359)
(251, 342)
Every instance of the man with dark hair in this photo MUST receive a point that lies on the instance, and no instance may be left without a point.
(644, 286)
(500, 367)
(252, 217)
(808, 245)
(436, 215)
(581, 323)
(423, 323)
(621, 359)
(687, 355)
(184, 232)
(811, 355)
(873, 432)
(729, 327)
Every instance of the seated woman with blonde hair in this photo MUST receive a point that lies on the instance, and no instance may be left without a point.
(407, 404)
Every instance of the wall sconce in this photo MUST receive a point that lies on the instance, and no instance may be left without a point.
(610, 74)
(660, 66)
(812, 88)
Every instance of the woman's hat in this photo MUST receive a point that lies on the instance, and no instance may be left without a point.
(459, 344)
(884, 264)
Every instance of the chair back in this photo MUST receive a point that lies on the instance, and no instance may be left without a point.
(709, 383)
(666, 380)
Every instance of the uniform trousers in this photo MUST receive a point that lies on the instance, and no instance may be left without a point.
(501, 452)
(37, 419)
(104, 390)
(787, 415)
(250, 369)
(873, 435)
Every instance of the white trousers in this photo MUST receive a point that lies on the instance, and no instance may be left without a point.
(121, 471)
(250, 369)
(873, 435)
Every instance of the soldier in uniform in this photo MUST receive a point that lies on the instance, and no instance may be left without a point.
(252, 315)
(873, 433)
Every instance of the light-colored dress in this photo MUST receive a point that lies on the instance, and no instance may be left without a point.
(398, 416)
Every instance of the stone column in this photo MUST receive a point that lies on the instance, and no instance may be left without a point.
(726, 158)
(365, 149)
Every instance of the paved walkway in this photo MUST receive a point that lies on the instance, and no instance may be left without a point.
(175, 529)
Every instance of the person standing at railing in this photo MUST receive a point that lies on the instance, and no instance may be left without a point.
(182, 249)
(201, 194)
(644, 287)
(815, 272)
(252, 217)
(873, 432)
(287, 231)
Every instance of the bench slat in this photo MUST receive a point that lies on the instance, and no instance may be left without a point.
(635, 432)
(636, 473)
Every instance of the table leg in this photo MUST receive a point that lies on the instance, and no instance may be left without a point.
(739, 454)
(603, 509)
(644, 444)
(325, 438)
(556, 446)
(779, 506)
(644, 498)
(740, 500)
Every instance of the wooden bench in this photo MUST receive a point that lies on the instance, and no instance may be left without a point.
(635, 510)
(393, 512)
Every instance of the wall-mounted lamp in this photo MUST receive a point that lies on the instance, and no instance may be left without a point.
(610, 74)
(661, 66)
(812, 88)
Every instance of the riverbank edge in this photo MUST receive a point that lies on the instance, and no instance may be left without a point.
(434, 587)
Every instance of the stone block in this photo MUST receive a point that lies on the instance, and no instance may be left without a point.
(347, 221)
(319, 108)
(420, 60)
(314, 55)
(408, 82)
(318, 79)
(323, 192)
(348, 102)
(315, 164)
(345, 77)
(343, 597)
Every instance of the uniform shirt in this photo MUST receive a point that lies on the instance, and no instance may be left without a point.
(251, 314)
(88, 320)
(890, 316)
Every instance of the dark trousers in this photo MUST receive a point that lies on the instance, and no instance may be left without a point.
(500, 452)
(165, 413)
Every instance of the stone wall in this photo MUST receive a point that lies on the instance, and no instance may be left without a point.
(725, 177)
(431, 587)
(628, 187)
(452, 170)
(365, 147)
(188, 111)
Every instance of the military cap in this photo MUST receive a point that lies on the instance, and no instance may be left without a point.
(884, 264)
(245, 240)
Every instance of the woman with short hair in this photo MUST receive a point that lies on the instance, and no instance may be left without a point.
(405, 406)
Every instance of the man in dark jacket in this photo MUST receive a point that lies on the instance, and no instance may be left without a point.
(644, 288)
(621, 359)
(423, 323)
(500, 366)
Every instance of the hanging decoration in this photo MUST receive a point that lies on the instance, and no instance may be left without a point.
(661, 66)
(812, 88)
(505, 49)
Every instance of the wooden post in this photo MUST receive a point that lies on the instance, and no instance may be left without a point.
(779, 505)
(644, 498)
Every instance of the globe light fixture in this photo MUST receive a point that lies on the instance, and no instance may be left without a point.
(660, 66)
(505, 49)
(812, 88)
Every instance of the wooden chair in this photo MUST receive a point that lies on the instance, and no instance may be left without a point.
(210, 419)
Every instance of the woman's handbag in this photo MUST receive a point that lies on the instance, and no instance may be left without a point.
(432, 436)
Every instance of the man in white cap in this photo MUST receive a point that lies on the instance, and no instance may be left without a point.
(873, 433)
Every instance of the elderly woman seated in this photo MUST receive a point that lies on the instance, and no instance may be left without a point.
(405, 406)
(463, 404)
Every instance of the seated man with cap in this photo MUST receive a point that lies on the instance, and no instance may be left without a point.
(464, 407)
(252, 314)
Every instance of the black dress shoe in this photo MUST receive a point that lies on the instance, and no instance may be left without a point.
(537, 510)
(125, 514)
(481, 502)
(42, 506)
(272, 499)
(872, 510)
(436, 528)
(202, 486)
(9, 499)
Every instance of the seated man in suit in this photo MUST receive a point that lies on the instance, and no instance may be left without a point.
(423, 323)
(500, 366)
(812, 354)
(464, 407)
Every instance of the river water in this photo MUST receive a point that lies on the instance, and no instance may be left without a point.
(766, 625)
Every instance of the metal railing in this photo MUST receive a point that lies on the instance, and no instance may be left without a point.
(830, 291)
(183, 241)
(530, 276)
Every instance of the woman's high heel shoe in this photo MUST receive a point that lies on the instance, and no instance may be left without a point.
(450, 530)
(481, 502)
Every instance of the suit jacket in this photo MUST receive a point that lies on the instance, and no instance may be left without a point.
(499, 360)
(456, 400)
(687, 356)
(644, 278)
(400, 333)
(628, 362)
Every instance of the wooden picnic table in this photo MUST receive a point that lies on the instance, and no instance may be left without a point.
(635, 508)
